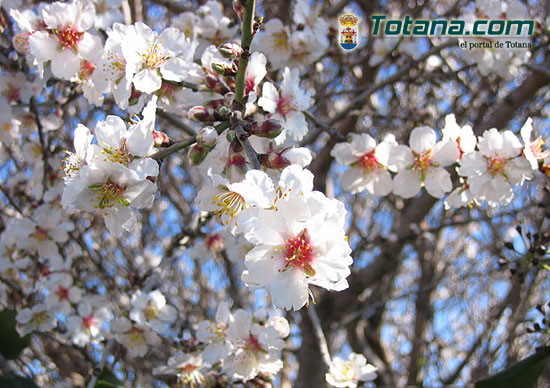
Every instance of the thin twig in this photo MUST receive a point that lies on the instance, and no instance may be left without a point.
(10, 200)
(173, 148)
(323, 346)
(361, 98)
(174, 120)
(43, 145)
(99, 368)
(250, 151)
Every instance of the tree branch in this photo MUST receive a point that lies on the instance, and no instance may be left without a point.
(245, 44)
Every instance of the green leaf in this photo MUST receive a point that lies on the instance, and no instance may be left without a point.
(523, 374)
(108, 380)
(14, 381)
(11, 345)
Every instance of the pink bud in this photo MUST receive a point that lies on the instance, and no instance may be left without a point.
(207, 136)
(270, 129)
(230, 50)
(160, 138)
(197, 154)
(200, 114)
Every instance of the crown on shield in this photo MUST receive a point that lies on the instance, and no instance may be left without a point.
(348, 20)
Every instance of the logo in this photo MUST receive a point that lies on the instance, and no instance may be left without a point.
(348, 31)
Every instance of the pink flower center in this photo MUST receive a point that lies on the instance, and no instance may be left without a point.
(496, 164)
(253, 344)
(369, 161)
(40, 317)
(250, 85)
(69, 37)
(537, 150)
(422, 161)
(236, 160)
(284, 106)
(40, 234)
(62, 293)
(12, 93)
(88, 321)
(86, 70)
(298, 253)
(188, 368)
(167, 90)
(214, 242)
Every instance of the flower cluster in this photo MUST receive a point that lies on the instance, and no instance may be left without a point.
(489, 167)
(298, 235)
(297, 46)
(245, 346)
(504, 61)
(138, 60)
(115, 176)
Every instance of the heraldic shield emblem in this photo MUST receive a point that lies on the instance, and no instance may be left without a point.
(349, 31)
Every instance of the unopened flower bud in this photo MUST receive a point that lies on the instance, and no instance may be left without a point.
(160, 139)
(230, 81)
(219, 67)
(274, 160)
(214, 104)
(270, 128)
(228, 98)
(197, 154)
(230, 50)
(200, 114)
(215, 84)
(207, 136)
(224, 111)
(237, 162)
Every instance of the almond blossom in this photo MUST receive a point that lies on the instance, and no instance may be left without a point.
(62, 292)
(188, 368)
(423, 164)
(135, 337)
(83, 152)
(113, 191)
(42, 234)
(496, 167)
(36, 318)
(286, 105)
(227, 200)
(533, 149)
(151, 310)
(275, 42)
(348, 373)
(151, 57)
(111, 74)
(214, 334)
(87, 324)
(368, 164)
(256, 348)
(129, 146)
(65, 41)
(302, 242)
